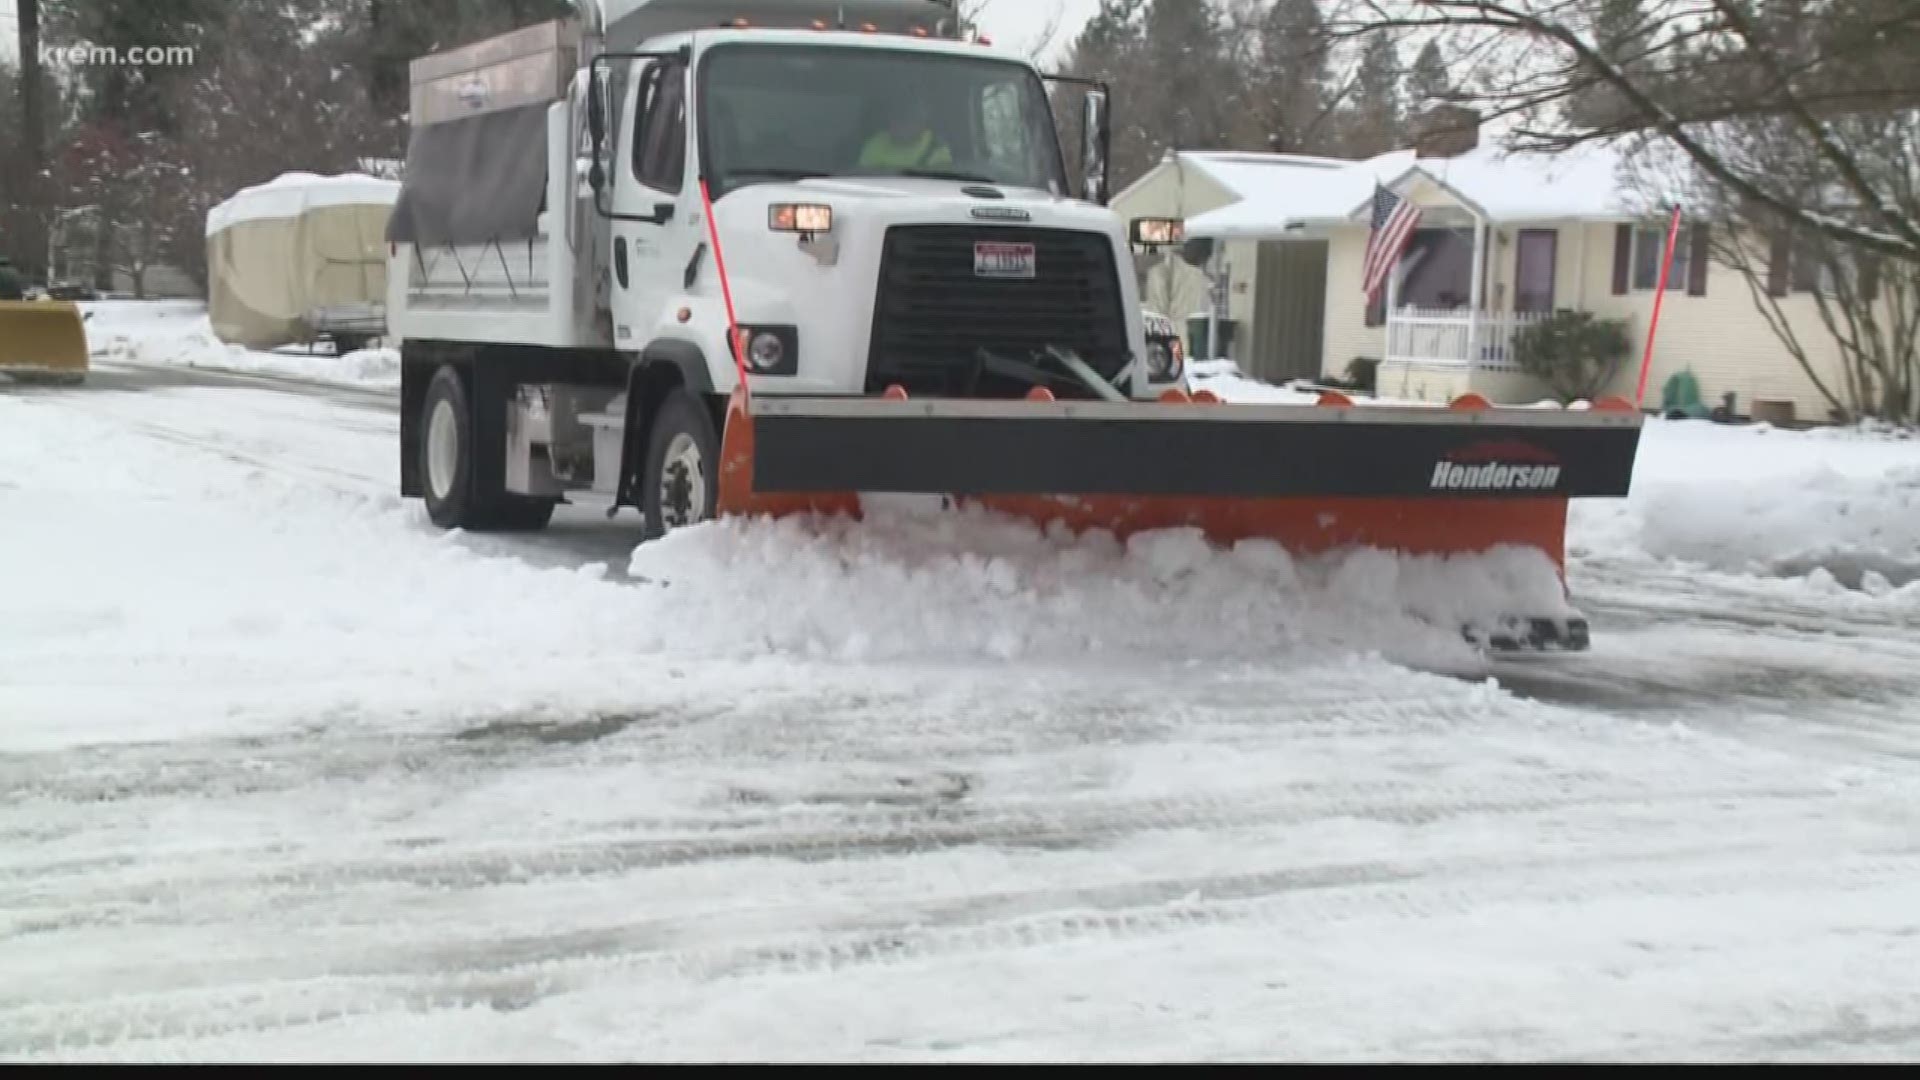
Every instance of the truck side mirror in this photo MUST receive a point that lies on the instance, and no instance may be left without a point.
(1093, 146)
(1157, 232)
(596, 129)
(596, 108)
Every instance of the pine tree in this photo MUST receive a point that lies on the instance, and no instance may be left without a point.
(1376, 122)
(1291, 71)
(1186, 111)
(1622, 31)
(1111, 48)
(1428, 85)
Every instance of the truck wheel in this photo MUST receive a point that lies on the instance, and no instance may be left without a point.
(681, 485)
(455, 498)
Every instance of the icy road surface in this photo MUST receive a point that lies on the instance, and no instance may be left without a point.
(289, 775)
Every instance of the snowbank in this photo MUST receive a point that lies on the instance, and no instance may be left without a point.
(177, 333)
(1224, 378)
(1829, 504)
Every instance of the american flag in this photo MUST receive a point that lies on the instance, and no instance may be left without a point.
(1393, 222)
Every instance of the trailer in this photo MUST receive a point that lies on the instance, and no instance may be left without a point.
(298, 259)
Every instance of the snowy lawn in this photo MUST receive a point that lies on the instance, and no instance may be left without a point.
(1835, 508)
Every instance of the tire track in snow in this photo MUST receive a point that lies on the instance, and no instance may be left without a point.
(510, 974)
(1667, 594)
(856, 836)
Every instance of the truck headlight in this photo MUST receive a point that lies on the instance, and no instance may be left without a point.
(772, 350)
(1163, 359)
(765, 351)
(800, 218)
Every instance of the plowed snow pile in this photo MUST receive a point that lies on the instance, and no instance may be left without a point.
(1840, 507)
(981, 585)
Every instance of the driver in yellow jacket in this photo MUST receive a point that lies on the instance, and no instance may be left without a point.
(908, 142)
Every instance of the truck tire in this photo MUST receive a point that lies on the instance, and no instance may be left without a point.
(681, 482)
(456, 498)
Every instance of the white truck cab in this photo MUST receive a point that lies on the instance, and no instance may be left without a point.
(596, 211)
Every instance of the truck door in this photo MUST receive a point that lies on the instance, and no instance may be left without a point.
(653, 230)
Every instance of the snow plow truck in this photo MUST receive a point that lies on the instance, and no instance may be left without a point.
(762, 257)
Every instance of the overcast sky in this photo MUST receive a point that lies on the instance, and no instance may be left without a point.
(1021, 22)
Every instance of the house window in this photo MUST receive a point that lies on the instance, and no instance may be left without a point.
(1536, 252)
(1812, 265)
(1649, 244)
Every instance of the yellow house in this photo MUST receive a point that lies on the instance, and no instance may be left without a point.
(1275, 279)
(1502, 240)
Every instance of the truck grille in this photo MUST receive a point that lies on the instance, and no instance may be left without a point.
(933, 315)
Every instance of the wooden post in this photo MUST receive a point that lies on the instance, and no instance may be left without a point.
(1475, 290)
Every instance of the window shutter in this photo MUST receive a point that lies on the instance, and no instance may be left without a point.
(1777, 267)
(1622, 257)
(1869, 277)
(1697, 262)
(1804, 269)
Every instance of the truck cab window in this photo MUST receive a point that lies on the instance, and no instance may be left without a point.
(660, 134)
(773, 113)
(1004, 127)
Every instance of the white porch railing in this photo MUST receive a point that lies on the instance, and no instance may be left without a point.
(1477, 339)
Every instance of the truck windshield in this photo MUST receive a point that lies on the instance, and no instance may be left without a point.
(784, 112)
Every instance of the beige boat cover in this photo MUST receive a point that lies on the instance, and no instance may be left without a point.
(279, 253)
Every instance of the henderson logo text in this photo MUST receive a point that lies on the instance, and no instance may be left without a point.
(1495, 477)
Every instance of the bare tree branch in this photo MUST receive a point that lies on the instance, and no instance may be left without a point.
(1543, 23)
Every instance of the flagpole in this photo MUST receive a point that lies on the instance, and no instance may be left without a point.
(1660, 294)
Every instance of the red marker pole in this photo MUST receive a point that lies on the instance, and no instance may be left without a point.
(1666, 267)
(726, 289)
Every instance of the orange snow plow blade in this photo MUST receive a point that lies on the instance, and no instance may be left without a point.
(1412, 479)
(42, 341)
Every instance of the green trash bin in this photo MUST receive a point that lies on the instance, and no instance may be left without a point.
(1680, 397)
(1197, 340)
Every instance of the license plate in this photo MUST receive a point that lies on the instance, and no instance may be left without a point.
(1000, 260)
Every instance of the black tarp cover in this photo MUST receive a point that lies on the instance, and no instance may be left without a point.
(473, 180)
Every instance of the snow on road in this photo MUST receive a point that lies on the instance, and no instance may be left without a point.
(290, 775)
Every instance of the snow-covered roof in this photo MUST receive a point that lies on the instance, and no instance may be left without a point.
(1583, 182)
(291, 194)
(1278, 190)
(1281, 191)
